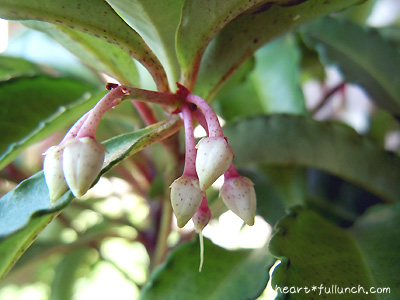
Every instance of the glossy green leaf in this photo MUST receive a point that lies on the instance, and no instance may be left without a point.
(244, 35)
(201, 21)
(334, 148)
(11, 67)
(315, 252)
(94, 17)
(102, 56)
(34, 107)
(362, 56)
(26, 210)
(226, 275)
(157, 22)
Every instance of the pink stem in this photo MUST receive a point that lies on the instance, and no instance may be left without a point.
(204, 205)
(89, 127)
(231, 172)
(145, 112)
(75, 128)
(190, 144)
(214, 128)
(151, 96)
(198, 115)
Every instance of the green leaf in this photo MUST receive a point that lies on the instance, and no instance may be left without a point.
(94, 17)
(362, 56)
(11, 67)
(315, 252)
(277, 77)
(102, 56)
(272, 87)
(66, 274)
(244, 35)
(34, 107)
(226, 275)
(334, 148)
(26, 210)
(157, 22)
(201, 20)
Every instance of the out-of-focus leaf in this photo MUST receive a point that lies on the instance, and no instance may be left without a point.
(157, 22)
(201, 21)
(315, 252)
(244, 35)
(26, 210)
(334, 148)
(34, 107)
(226, 275)
(359, 13)
(65, 274)
(391, 33)
(337, 200)
(102, 56)
(272, 87)
(11, 67)
(362, 56)
(277, 77)
(93, 17)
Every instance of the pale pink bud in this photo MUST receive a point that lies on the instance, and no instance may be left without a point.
(214, 156)
(82, 162)
(186, 198)
(202, 216)
(239, 196)
(53, 173)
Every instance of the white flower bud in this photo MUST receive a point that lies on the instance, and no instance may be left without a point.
(82, 162)
(186, 198)
(53, 173)
(239, 196)
(214, 156)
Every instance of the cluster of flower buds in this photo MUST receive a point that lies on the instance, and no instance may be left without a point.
(77, 161)
(204, 164)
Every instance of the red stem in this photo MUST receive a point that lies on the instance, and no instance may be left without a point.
(145, 112)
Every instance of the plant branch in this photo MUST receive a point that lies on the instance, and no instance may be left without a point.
(327, 96)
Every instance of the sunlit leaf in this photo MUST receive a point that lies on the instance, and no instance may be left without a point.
(97, 53)
(179, 278)
(201, 21)
(315, 252)
(157, 22)
(94, 17)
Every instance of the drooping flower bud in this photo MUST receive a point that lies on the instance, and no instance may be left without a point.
(186, 198)
(82, 162)
(239, 196)
(214, 157)
(202, 216)
(53, 172)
